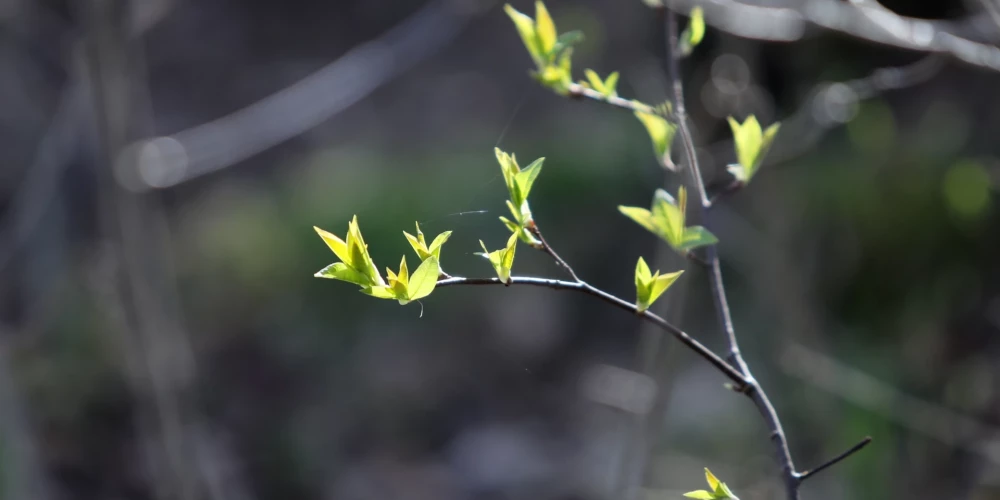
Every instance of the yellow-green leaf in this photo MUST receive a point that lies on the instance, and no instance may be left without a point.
(424, 279)
(545, 28)
(526, 28)
(595, 81)
(694, 32)
(382, 292)
(641, 216)
(341, 271)
(660, 283)
(526, 178)
(335, 243)
(751, 145)
(661, 132)
(439, 241)
(700, 495)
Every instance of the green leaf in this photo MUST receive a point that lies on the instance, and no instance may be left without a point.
(694, 32)
(648, 287)
(417, 244)
(382, 292)
(611, 84)
(424, 279)
(700, 495)
(544, 28)
(641, 216)
(341, 271)
(669, 215)
(336, 244)
(526, 178)
(751, 145)
(661, 132)
(660, 283)
(526, 28)
(713, 482)
(697, 236)
(353, 253)
(503, 259)
(595, 81)
(439, 241)
(508, 254)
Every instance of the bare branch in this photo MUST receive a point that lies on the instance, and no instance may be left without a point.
(552, 253)
(580, 286)
(753, 389)
(170, 160)
(833, 461)
(866, 20)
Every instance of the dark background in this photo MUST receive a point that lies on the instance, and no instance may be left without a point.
(172, 343)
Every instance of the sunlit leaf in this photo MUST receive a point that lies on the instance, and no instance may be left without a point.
(661, 132)
(545, 29)
(595, 81)
(382, 292)
(713, 482)
(424, 279)
(694, 32)
(640, 215)
(341, 271)
(697, 236)
(439, 241)
(700, 495)
(526, 178)
(526, 28)
(751, 145)
(336, 244)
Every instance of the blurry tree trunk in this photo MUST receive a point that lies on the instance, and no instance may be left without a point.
(23, 472)
(181, 459)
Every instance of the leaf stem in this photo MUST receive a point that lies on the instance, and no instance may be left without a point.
(742, 383)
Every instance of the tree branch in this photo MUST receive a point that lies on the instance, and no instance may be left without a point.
(731, 373)
(753, 389)
(835, 460)
(578, 91)
(865, 20)
(533, 228)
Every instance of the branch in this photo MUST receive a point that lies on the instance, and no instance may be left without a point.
(753, 390)
(865, 20)
(833, 461)
(578, 91)
(170, 160)
(579, 286)
(552, 253)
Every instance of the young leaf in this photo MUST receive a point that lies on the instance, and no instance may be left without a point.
(648, 287)
(611, 84)
(641, 216)
(341, 271)
(713, 482)
(424, 279)
(595, 81)
(503, 259)
(697, 236)
(353, 254)
(700, 495)
(545, 29)
(526, 178)
(420, 246)
(694, 32)
(667, 219)
(751, 145)
(661, 132)
(526, 28)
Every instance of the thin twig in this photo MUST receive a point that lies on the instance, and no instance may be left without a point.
(579, 91)
(754, 391)
(533, 228)
(833, 461)
(583, 287)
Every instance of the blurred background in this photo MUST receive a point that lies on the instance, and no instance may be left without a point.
(162, 335)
